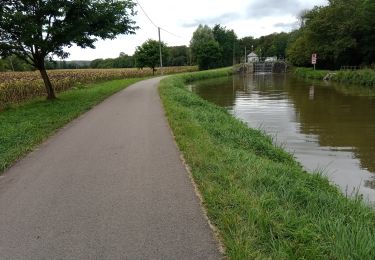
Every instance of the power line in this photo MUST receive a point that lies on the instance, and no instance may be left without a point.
(152, 22)
(175, 35)
(143, 10)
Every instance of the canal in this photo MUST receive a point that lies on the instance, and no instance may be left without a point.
(328, 128)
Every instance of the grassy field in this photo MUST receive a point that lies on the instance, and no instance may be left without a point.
(16, 87)
(25, 126)
(364, 77)
(263, 203)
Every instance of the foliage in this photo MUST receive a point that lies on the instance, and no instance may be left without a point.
(25, 126)
(205, 49)
(247, 42)
(228, 42)
(208, 55)
(32, 30)
(148, 54)
(178, 56)
(123, 61)
(13, 63)
(341, 33)
(272, 45)
(364, 77)
(57, 65)
(263, 203)
(310, 73)
(202, 34)
(16, 87)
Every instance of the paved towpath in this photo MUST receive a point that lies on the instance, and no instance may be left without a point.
(109, 186)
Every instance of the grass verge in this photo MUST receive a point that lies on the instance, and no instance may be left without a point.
(260, 199)
(309, 73)
(364, 77)
(27, 125)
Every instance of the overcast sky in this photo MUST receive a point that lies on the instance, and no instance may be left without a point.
(245, 17)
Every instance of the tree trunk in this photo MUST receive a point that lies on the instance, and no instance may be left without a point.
(47, 83)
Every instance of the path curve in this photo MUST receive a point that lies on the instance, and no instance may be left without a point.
(110, 185)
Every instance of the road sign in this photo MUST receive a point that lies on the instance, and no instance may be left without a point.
(313, 58)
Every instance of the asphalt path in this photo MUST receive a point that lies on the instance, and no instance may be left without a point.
(110, 185)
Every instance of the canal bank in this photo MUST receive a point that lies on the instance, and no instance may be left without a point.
(325, 129)
(261, 200)
(363, 77)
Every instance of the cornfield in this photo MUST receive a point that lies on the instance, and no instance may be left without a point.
(16, 87)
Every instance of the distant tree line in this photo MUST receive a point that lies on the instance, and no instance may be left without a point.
(219, 47)
(147, 55)
(172, 56)
(341, 33)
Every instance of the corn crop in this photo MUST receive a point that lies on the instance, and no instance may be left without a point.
(16, 87)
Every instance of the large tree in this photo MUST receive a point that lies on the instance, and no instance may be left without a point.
(341, 33)
(37, 29)
(228, 43)
(208, 55)
(202, 34)
(205, 49)
(148, 55)
(178, 55)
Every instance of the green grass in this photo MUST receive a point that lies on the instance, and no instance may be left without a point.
(309, 73)
(25, 126)
(263, 203)
(364, 77)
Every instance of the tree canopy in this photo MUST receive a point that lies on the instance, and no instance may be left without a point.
(228, 42)
(341, 33)
(35, 30)
(148, 54)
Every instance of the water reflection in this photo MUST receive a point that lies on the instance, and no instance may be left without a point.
(325, 128)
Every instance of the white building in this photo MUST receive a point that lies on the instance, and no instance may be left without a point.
(252, 57)
(271, 59)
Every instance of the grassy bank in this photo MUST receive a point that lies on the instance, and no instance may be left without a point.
(309, 73)
(364, 77)
(24, 126)
(262, 202)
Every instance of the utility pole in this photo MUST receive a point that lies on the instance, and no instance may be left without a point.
(161, 57)
(11, 62)
(245, 54)
(234, 48)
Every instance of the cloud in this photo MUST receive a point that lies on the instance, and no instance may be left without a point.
(222, 19)
(261, 8)
(287, 26)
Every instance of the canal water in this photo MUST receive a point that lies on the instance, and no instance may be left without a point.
(329, 129)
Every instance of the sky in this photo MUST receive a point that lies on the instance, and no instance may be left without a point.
(181, 18)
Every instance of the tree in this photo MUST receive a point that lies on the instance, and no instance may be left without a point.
(148, 55)
(36, 30)
(203, 34)
(208, 55)
(124, 61)
(13, 63)
(205, 49)
(341, 33)
(228, 43)
(178, 55)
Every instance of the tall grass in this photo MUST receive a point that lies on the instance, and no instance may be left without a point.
(364, 77)
(263, 203)
(309, 73)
